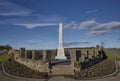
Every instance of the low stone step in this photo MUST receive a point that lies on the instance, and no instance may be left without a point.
(62, 70)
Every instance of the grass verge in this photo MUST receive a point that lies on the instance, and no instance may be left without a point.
(4, 57)
(111, 56)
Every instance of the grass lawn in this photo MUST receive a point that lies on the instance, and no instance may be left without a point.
(111, 55)
(4, 57)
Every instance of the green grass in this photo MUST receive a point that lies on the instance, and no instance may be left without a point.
(4, 57)
(111, 55)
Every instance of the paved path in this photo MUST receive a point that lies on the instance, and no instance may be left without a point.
(115, 78)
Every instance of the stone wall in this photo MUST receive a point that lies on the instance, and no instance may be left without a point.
(75, 54)
(40, 66)
(40, 59)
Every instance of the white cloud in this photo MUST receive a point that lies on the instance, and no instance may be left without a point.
(106, 26)
(12, 9)
(96, 28)
(87, 24)
(92, 11)
(16, 14)
(71, 25)
(20, 13)
(100, 32)
(33, 19)
(29, 26)
(32, 41)
(75, 43)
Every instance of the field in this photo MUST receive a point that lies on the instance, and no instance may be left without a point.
(4, 57)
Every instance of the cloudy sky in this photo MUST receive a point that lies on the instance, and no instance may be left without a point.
(34, 23)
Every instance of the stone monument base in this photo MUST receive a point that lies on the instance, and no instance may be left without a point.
(61, 57)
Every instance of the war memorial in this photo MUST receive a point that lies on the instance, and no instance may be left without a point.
(59, 40)
(61, 61)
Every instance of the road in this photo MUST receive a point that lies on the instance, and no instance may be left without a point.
(115, 51)
(2, 51)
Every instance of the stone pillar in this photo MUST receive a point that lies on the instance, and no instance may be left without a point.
(96, 53)
(54, 53)
(84, 51)
(72, 56)
(44, 54)
(33, 54)
(90, 54)
(100, 54)
(84, 56)
(82, 59)
(25, 53)
(22, 52)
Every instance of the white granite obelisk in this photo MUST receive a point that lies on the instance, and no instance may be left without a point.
(60, 51)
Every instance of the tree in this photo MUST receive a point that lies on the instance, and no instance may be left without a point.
(97, 46)
(6, 47)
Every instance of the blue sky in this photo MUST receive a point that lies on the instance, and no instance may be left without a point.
(34, 23)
